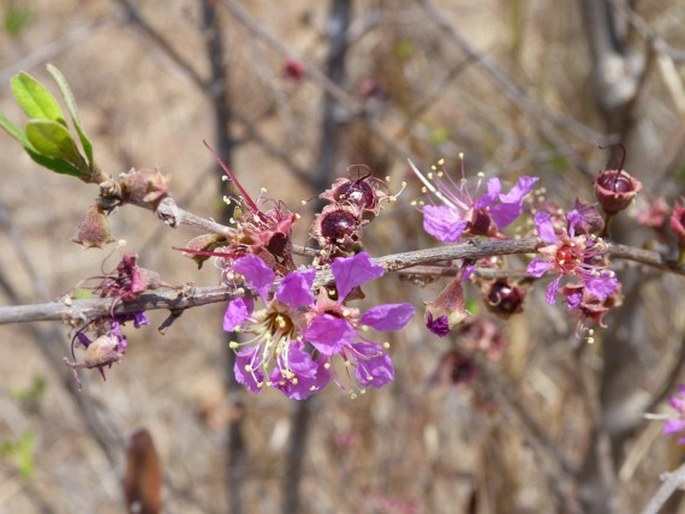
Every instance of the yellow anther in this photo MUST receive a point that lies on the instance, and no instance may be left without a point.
(233, 345)
(248, 368)
(430, 175)
(480, 174)
(441, 161)
(424, 190)
(386, 345)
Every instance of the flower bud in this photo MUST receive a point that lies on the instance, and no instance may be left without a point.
(93, 231)
(503, 298)
(337, 225)
(678, 222)
(615, 189)
(145, 187)
(448, 310)
(366, 193)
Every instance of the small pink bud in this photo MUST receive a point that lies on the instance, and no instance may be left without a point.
(93, 231)
(145, 187)
(293, 69)
(678, 222)
(448, 310)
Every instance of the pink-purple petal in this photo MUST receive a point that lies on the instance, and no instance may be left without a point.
(552, 290)
(350, 272)
(543, 222)
(444, 223)
(494, 188)
(388, 317)
(237, 312)
(250, 379)
(374, 367)
(673, 426)
(538, 267)
(602, 287)
(329, 334)
(295, 290)
(257, 274)
(524, 185)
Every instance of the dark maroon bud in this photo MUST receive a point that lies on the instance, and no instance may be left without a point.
(616, 188)
(503, 298)
(365, 192)
(338, 225)
(358, 192)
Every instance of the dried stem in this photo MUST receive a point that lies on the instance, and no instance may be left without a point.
(181, 299)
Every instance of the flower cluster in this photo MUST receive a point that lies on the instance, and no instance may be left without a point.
(296, 338)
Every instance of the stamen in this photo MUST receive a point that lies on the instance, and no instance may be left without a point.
(430, 186)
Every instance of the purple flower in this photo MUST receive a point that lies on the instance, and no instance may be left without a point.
(337, 330)
(459, 212)
(273, 356)
(677, 425)
(572, 254)
(294, 339)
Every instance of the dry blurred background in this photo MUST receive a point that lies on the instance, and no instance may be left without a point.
(520, 86)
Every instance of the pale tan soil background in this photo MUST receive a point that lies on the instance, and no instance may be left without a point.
(407, 448)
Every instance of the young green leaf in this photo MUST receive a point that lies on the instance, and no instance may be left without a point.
(34, 99)
(13, 130)
(71, 107)
(53, 140)
(52, 163)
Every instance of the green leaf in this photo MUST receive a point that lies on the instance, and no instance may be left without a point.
(55, 164)
(54, 140)
(13, 130)
(71, 107)
(35, 100)
(52, 163)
